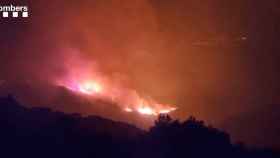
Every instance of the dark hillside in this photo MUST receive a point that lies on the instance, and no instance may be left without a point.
(41, 132)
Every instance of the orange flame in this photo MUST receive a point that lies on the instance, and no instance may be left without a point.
(83, 77)
(133, 102)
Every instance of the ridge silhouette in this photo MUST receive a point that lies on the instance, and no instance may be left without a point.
(41, 132)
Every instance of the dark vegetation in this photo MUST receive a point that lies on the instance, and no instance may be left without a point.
(42, 133)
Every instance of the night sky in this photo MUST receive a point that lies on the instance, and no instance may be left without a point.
(214, 59)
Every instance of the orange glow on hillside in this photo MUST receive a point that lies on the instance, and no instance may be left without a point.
(128, 101)
(84, 79)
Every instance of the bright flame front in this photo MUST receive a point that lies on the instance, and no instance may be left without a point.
(83, 77)
(146, 111)
(129, 100)
(90, 87)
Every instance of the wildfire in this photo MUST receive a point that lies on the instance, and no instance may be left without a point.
(149, 107)
(90, 87)
(128, 98)
(83, 77)
(146, 111)
(128, 110)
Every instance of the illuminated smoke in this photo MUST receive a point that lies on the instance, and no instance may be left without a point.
(83, 77)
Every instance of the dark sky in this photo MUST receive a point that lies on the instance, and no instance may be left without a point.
(215, 59)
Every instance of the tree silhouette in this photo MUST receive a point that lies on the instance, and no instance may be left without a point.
(40, 132)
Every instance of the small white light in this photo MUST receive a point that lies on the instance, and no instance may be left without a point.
(5, 14)
(25, 14)
(15, 14)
